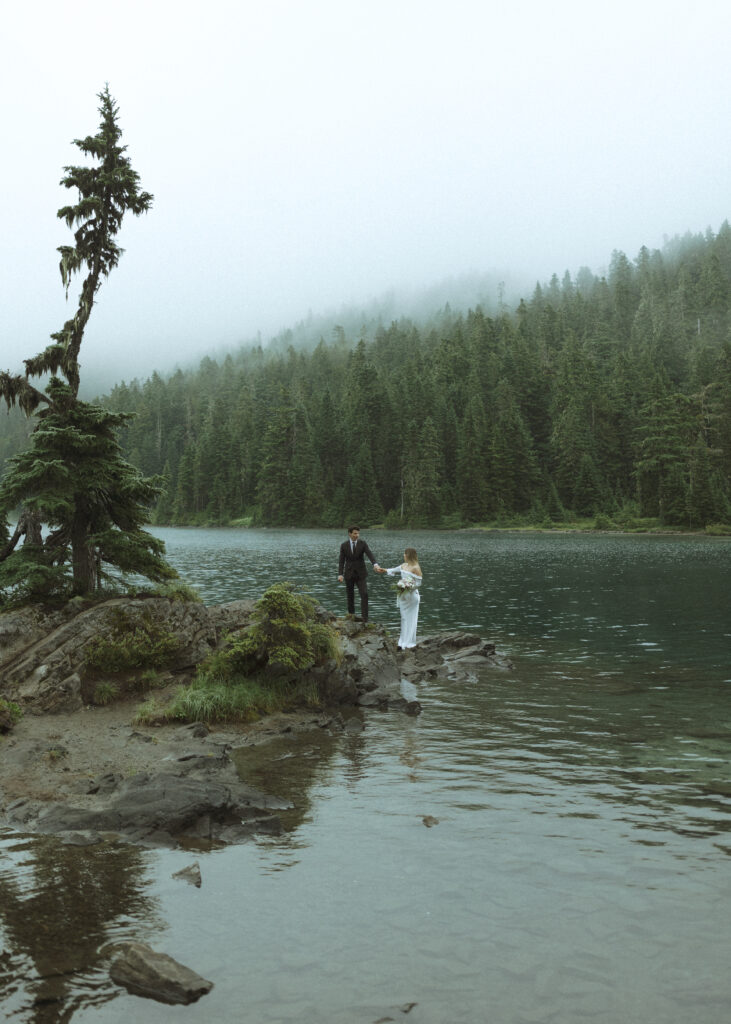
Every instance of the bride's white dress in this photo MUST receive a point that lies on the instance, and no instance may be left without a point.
(408, 605)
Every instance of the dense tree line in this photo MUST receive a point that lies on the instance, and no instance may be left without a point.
(598, 395)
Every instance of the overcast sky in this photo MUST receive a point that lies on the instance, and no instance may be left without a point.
(306, 154)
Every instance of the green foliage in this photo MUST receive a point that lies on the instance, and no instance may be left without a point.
(105, 693)
(260, 670)
(244, 701)
(149, 679)
(150, 712)
(719, 529)
(282, 639)
(325, 644)
(177, 591)
(130, 641)
(10, 714)
(72, 477)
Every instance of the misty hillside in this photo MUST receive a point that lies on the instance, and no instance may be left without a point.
(606, 395)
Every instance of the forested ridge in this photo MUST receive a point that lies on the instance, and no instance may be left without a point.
(598, 396)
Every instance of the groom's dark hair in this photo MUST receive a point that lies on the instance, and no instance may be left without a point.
(351, 528)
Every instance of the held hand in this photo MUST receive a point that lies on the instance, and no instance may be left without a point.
(340, 579)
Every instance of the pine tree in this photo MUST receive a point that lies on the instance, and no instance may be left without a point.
(422, 476)
(73, 478)
(664, 438)
(473, 484)
(702, 503)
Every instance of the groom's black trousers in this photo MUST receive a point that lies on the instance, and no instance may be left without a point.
(361, 582)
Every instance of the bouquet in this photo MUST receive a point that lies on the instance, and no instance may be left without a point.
(403, 586)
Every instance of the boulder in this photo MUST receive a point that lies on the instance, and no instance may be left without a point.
(143, 972)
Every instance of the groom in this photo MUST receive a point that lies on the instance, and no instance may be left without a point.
(352, 569)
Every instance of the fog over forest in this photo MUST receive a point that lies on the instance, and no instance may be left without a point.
(311, 159)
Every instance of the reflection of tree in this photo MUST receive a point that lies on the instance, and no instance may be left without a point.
(291, 765)
(288, 767)
(353, 750)
(56, 917)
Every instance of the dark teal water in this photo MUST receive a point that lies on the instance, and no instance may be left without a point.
(581, 866)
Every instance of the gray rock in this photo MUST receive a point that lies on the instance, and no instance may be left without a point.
(161, 807)
(143, 972)
(455, 654)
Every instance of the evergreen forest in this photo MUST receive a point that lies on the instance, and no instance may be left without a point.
(600, 397)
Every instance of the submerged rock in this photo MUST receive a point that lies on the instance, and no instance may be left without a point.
(190, 874)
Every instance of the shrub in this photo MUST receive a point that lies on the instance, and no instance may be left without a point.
(244, 701)
(325, 646)
(282, 639)
(132, 641)
(394, 520)
(452, 521)
(177, 591)
(719, 529)
(150, 712)
(10, 714)
(260, 670)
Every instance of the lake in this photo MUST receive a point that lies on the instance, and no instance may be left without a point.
(581, 864)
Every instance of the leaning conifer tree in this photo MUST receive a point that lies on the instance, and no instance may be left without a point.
(82, 506)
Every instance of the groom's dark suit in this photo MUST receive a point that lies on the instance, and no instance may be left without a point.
(353, 569)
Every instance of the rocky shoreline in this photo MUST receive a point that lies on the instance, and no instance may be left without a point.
(88, 774)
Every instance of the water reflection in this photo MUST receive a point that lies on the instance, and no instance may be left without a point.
(58, 906)
(299, 768)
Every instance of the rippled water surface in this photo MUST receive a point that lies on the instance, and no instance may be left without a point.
(580, 868)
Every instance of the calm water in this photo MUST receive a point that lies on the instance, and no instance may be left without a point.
(581, 867)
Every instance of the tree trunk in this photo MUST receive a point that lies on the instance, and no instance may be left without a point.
(82, 557)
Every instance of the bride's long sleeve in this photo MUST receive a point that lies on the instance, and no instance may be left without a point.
(405, 574)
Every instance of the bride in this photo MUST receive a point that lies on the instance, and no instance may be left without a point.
(408, 598)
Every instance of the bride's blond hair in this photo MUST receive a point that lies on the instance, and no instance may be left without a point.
(410, 557)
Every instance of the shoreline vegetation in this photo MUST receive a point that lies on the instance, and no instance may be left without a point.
(597, 524)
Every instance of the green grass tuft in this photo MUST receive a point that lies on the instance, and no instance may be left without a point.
(105, 693)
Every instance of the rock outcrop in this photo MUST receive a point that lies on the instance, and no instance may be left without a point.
(43, 657)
